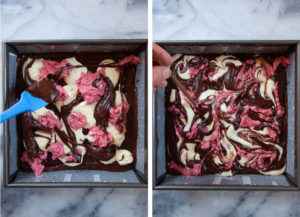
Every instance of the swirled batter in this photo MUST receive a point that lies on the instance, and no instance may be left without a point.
(85, 123)
(238, 125)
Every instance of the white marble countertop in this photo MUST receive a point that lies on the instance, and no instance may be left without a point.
(92, 202)
(226, 20)
(73, 19)
(226, 204)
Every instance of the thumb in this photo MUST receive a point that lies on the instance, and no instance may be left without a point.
(160, 75)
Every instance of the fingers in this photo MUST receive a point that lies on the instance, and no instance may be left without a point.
(161, 56)
(161, 73)
(160, 76)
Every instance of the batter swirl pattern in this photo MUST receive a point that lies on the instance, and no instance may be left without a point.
(238, 125)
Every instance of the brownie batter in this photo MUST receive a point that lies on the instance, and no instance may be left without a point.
(239, 122)
(91, 119)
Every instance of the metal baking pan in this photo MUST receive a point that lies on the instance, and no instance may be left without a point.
(13, 177)
(290, 180)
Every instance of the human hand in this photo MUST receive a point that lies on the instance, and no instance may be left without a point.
(162, 72)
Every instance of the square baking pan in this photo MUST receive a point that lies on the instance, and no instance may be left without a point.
(13, 177)
(290, 180)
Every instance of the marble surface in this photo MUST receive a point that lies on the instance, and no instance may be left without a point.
(74, 202)
(73, 19)
(226, 204)
(226, 20)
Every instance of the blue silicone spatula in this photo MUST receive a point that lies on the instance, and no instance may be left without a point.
(26, 103)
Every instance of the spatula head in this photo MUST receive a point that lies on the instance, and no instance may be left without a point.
(33, 103)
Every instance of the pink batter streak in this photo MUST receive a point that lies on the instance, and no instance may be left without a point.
(77, 120)
(36, 166)
(116, 112)
(263, 111)
(245, 77)
(100, 138)
(51, 67)
(191, 93)
(272, 133)
(278, 105)
(193, 131)
(187, 99)
(271, 69)
(70, 158)
(44, 156)
(66, 72)
(131, 59)
(62, 94)
(231, 107)
(90, 93)
(205, 145)
(195, 71)
(173, 108)
(259, 163)
(250, 61)
(248, 122)
(49, 120)
(266, 118)
(57, 150)
(101, 72)
(195, 171)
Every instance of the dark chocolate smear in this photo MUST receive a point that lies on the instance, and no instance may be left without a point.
(44, 89)
(101, 112)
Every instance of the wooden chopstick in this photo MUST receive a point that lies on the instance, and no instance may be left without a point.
(183, 89)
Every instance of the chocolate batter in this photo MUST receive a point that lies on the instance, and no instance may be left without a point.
(44, 89)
